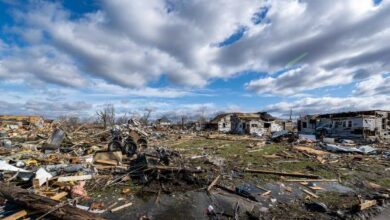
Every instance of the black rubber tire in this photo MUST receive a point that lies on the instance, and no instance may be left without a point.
(114, 146)
(130, 148)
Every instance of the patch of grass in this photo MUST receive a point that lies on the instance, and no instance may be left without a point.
(385, 182)
(305, 165)
(335, 200)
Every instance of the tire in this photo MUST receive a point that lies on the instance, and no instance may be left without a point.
(130, 148)
(114, 146)
(142, 143)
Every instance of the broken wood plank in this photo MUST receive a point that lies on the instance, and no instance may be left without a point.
(43, 205)
(310, 193)
(59, 196)
(316, 187)
(266, 193)
(105, 167)
(282, 173)
(16, 215)
(310, 151)
(121, 207)
(107, 162)
(213, 183)
(367, 204)
(73, 178)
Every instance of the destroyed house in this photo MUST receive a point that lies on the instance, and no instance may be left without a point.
(221, 122)
(246, 123)
(37, 121)
(366, 125)
(164, 121)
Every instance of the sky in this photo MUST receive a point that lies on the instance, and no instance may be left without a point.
(188, 57)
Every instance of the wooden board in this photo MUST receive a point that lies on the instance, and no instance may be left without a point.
(311, 151)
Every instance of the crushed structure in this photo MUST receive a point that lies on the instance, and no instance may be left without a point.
(365, 125)
(20, 120)
(138, 171)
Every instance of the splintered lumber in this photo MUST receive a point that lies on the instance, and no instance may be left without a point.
(213, 183)
(59, 196)
(367, 204)
(16, 215)
(311, 151)
(282, 173)
(107, 162)
(73, 178)
(121, 207)
(42, 205)
(310, 193)
(266, 193)
(316, 187)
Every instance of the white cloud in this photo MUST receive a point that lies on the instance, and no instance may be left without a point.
(46, 108)
(132, 44)
(379, 84)
(330, 104)
(126, 46)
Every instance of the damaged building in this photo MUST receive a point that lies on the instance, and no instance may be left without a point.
(365, 125)
(19, 120)
(246, 123)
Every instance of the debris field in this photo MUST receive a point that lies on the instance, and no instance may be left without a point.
(133, 171)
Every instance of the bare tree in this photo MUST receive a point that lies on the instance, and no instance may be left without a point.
(183, 118)
(72, 121)
(122, 119)
(203, 113)
(107, 115)
(147, 113)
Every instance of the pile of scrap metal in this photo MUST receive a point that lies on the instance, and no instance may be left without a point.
(127, 139)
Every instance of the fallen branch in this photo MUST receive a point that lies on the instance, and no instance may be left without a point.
(42, 204)
(282, 173)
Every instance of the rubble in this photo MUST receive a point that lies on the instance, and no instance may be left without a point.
(88, 171)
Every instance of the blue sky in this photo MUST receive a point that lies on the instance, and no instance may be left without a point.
(182, 57)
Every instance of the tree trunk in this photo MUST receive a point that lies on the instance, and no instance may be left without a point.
(42, 204)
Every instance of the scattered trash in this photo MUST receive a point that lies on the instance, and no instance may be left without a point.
(42, 176)
(78, 190)
(56, 139)
(74, 170)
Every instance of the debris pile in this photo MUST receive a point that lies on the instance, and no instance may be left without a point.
(49, 171)
(86, 171)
